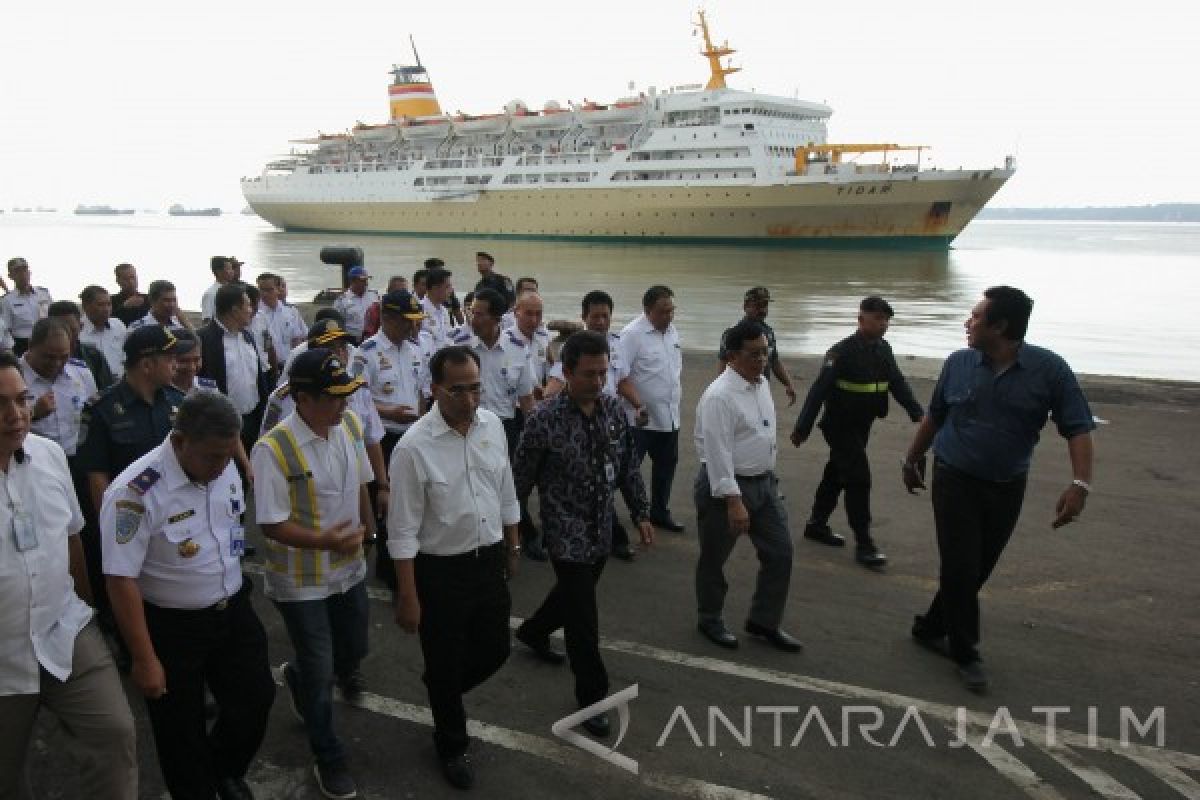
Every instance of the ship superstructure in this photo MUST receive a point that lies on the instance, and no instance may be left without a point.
(707, 163)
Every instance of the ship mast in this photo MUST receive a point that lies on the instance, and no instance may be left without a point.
(714, 55)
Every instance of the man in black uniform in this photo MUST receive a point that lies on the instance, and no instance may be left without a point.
(755, 305)
(490, 279)
(121, 425)
(853, 386)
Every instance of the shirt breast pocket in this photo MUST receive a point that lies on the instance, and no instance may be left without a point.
(180, 545)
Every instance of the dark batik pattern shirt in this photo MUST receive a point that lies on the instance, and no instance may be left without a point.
(578, 463)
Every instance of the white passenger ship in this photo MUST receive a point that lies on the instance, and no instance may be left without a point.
(691, 163)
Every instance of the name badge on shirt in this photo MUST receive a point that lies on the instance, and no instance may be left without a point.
(23, 533)
(610, 472)
(237, 541)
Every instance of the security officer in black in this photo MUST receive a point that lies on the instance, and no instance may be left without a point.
(490, 279)
(853, 385)
(126, 421)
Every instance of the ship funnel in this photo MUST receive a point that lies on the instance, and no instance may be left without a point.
(411, 94)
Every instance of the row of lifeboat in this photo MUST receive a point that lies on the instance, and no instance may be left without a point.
(516, 114)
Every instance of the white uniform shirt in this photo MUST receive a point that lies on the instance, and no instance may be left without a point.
(616, 368)
(182, 541)
(208, 302)
(655, 363)
(396, 375)
(538, 347)
(109, 340)
(450, 495)
(40, 614)
(6, 339)
(504, 370)
(242, 364)
(339, 468)
(72, 388)
(354, 308)
(437, 322)
(509, 320)
(284, 324)
(21, 311)
(281, 404)
(150, 320)
(735, 431)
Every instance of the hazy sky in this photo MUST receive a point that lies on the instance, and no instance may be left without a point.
(149, 103)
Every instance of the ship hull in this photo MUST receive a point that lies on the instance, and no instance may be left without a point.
(927, 209)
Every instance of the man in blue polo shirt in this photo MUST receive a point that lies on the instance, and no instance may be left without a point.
(988, 408)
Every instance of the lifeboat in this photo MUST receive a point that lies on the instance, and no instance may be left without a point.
(622, 111)
(385, 133)
(487, 123)
(425, 127)
(552, 117)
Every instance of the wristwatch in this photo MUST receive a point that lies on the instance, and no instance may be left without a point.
(1082, 484)
(514, 549)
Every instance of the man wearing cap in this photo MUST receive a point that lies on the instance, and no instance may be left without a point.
(173, 543)
(354, 302)
(223, 273)
(22, 306)
(852, 387)
(396, 374)
(310, 496)
(51, 655)
(232, 358)
(125, 422)
(101, 329)
(755, 305)
(164, 307)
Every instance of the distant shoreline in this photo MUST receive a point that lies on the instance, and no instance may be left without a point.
(1161, 212)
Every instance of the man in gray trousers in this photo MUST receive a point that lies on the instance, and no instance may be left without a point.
(736, 492)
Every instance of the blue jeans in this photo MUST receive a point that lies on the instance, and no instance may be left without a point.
(330, 638)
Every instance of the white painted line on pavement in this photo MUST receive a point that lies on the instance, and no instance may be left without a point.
(1097, 779)
(1177, 779)
(1015, 771)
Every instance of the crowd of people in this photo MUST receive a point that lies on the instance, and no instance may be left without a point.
(132, 446)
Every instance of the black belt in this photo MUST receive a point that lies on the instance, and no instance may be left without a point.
(488, 549)
(760, 477)
(953, 470)
(221, 605)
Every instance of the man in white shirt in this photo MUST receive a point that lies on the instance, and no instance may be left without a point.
(529, 328)
(52, 654)
(164, 307)
(223, 273)
(354, 302)
(173, 543)
(454, 543)
(23, 306)
(101, 329)
(232, 358)
(737, 493)
(310, 495)
(651, 352)
(282, 322)
(59, 384)
(437, 316)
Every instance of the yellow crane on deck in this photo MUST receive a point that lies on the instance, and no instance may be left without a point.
(834, 152)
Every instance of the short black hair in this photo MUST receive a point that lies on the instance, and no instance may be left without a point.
(122, 266)
(267, 276)
(494, 301)
(654, 294)
(597, 297)
(9, 361)
(524, 279)
(15, 260)
(487, 256)
(874, 304)
(217, 263)
(91, 293)
(252, 292)
(158, 288)
(1012, 307)
(329, 312)
(737, 336)
(454, 354)
(434, 263)
(207, 415)
(61, 308)
(420, 275)
(229, 296)
(582, 343)
(436, 277)
(44, 328)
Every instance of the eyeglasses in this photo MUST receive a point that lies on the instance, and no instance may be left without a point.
(460, 389)
(757, 352)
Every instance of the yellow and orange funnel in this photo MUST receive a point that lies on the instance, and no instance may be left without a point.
(411, 94)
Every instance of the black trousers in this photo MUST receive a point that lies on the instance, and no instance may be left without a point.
(571, 605)
(663, 449)
(974, 520)
(512, 433)
(227, 651)
(848, 471)
(385, 570)
(464, 634)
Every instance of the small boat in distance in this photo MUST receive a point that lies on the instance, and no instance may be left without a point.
(102, 211)
(179, 211)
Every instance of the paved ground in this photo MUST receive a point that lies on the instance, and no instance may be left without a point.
(1100, 615)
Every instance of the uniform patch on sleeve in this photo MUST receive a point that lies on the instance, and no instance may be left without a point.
(142, 483)
(129, 517)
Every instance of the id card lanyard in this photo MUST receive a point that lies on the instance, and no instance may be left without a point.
(24, 536)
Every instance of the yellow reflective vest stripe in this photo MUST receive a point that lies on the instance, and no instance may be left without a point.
(862, 388)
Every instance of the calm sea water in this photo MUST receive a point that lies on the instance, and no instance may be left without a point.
(1113, 298)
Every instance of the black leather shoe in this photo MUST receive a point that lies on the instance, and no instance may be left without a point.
(823, 534)
(667, 523)
(782, 640)
(458, 771)
(870, 556)
(624, 552)
(597, 726)
(233, 789)
(352, 685)
(930, 640)
(541, 649)
(718, 634)
(973, 676)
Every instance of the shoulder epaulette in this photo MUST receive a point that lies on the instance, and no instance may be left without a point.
(206, 383)
(142, 483)
(79, 362)
(462, 336)
(512, 337)
(368, 345)
(614, 335)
